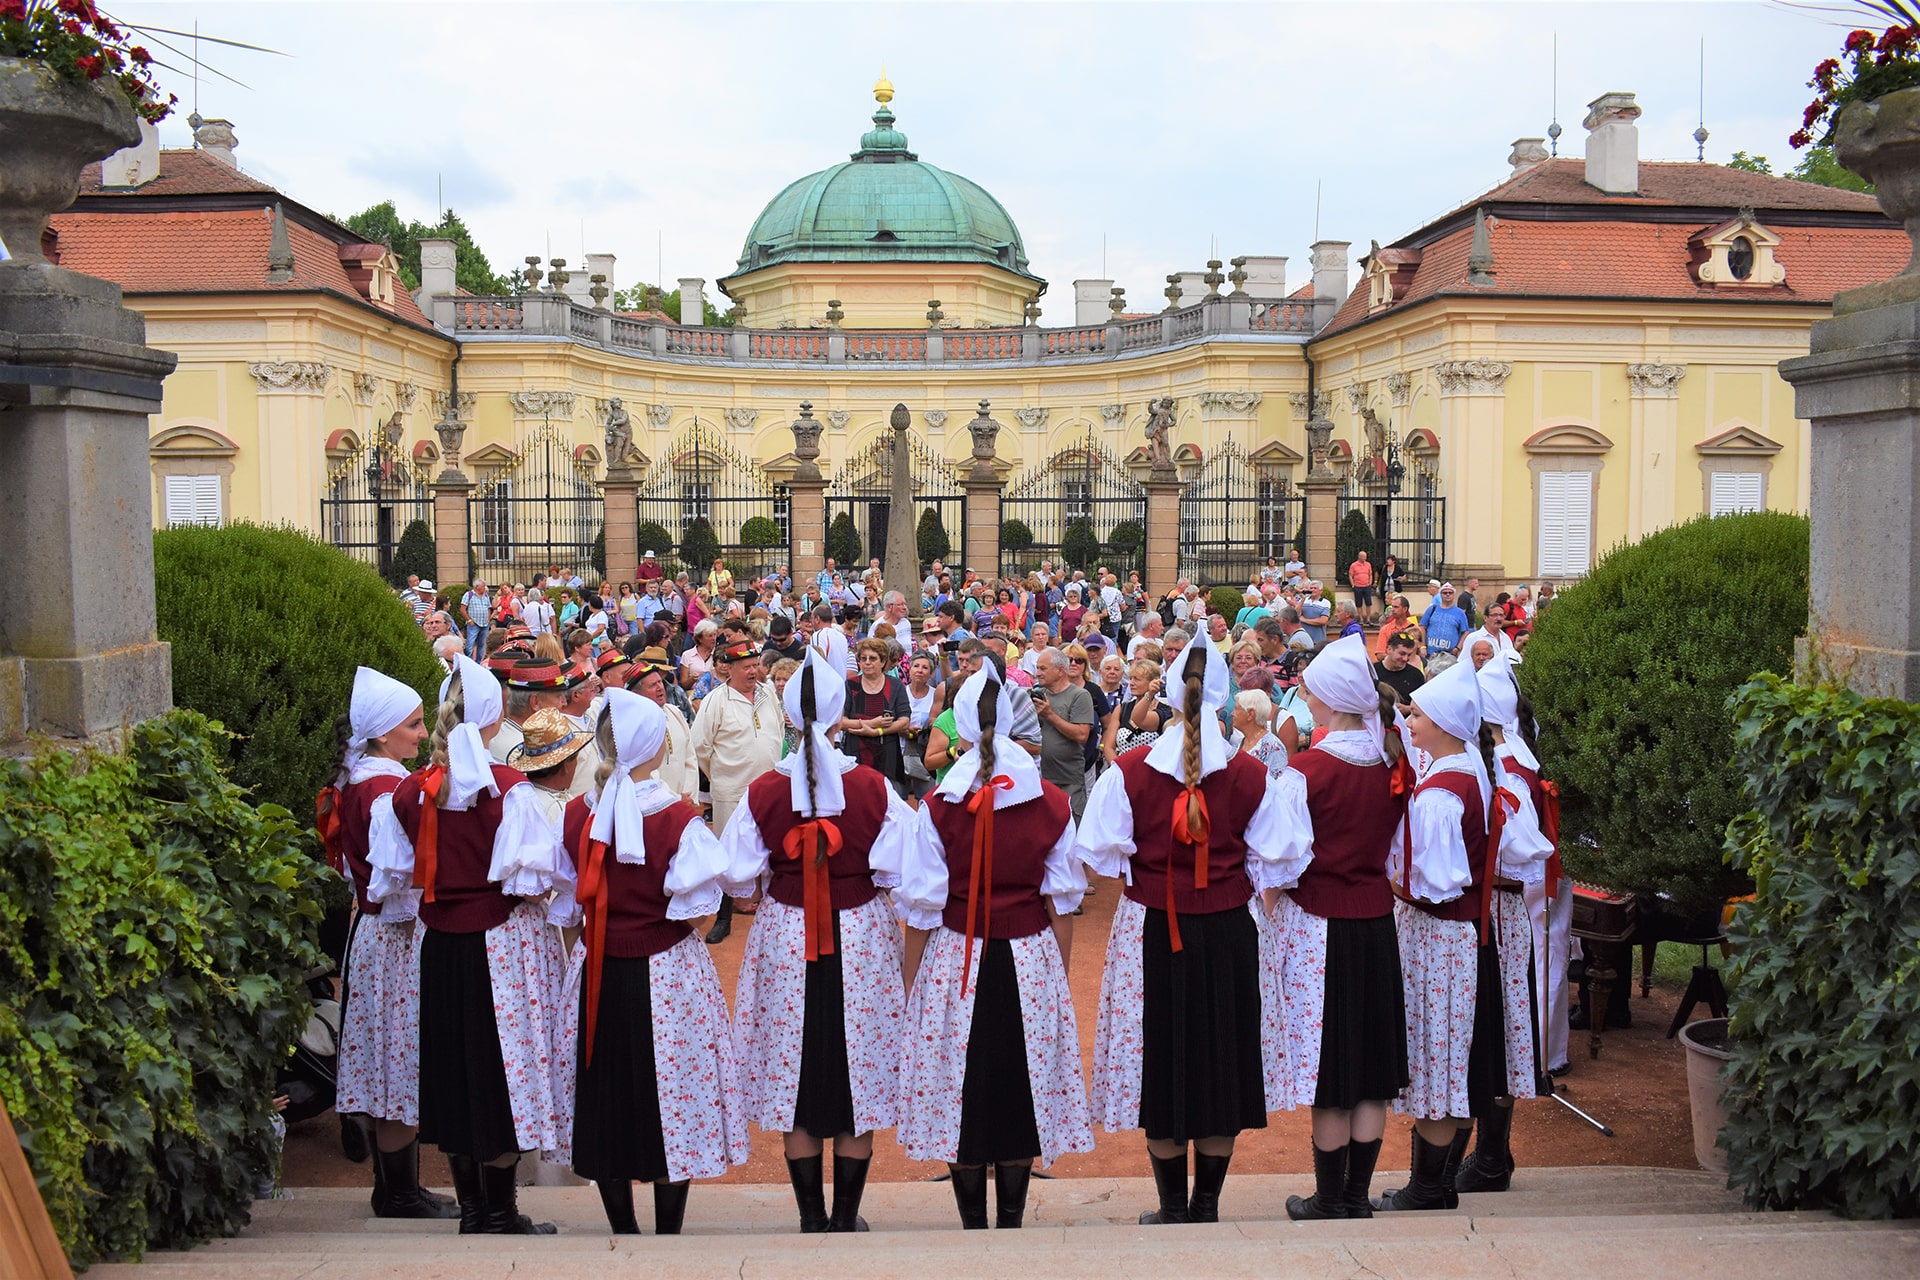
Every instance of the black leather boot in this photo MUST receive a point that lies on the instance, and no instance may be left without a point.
(1209, 1175)
(669, 1207)
(1170, 1180)
(849, 1184)
(1010, 1182)
(808, 1192)
(1329, 1198)
(1424, 1187)
(503, 1204)
(722, 923)
(616, 1197)
(1361, 1157)
(970, 1195)
(470, 1192)
(1456, 1153)
(397, 1192)
(1490, 1167)
(356, 1141)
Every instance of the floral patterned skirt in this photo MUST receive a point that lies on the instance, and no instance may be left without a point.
(1517, 1002)
(379, 1066)
(1344, 1007)
(994, 1075)
(1438, 962)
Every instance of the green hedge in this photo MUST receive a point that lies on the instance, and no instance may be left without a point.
(1352, 537)
(1080, 546)
(653, 536)
(154, 928)
(759, 531)
(1823, 1090)
(415, 554)
(1630, 671)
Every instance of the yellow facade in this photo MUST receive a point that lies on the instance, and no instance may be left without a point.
(879, 295)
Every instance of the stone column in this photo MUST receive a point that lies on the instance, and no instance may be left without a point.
(1654, 446)
(452, 536)
(982, 482)
(901, 560)
(1163, 533)
(806, 499)
(1859, 387)
(1473, 421)
(621, 492)
(1322, 490)
(77, 382)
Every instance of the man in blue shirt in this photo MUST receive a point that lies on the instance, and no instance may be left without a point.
(1445, 622)
(1314, 612)
(650, 605)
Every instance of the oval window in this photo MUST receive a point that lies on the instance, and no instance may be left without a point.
(1740, 258)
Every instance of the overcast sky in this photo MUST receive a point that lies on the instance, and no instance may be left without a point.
(644, 129)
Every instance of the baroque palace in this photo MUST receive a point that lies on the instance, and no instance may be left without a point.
(1581, 355)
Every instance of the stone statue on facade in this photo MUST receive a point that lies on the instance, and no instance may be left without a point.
(619, 435)
(1376, 432)
(1160, 418)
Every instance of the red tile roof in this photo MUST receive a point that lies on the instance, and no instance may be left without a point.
(211, 251)
(185, 172)
(1681, 184)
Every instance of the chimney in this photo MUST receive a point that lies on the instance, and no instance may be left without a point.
(1193, 287)
(1613, 144)
(1329, 279)
(217, 140)
(1090, 301)
(1527, 152)
(1266, 278)
(693, 302)
(437, 259)
(136, 165)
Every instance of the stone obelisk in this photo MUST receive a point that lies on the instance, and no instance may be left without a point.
(902, 563)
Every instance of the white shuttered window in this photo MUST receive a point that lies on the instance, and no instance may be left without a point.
(193, 500)
(1732, 491)
(1566, 523)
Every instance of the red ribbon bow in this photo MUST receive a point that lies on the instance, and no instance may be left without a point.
(326, 820)
(1550, 828)
(1504, 802)
(1401, 785)
(426, 848)
(1191, 801)
(981, 806)
(590, 891)
(821, 838)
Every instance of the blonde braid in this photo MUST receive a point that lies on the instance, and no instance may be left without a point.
(453, 709)
(1190, 752)
(609, 750)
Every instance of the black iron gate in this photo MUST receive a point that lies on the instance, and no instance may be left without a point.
(1233, 515)
(369, 499)
(544, 510)
(862, 492)
(1399, 493)
(1079, 509)
(702, 477)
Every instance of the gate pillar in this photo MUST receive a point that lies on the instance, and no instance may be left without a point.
(981, 547)
(452, 548)
(1163, 534)
(1323, 504)
(807, 500)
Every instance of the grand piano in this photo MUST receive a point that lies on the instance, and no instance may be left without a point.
(1611, 925)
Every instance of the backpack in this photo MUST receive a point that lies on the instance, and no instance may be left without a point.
(1166, 612)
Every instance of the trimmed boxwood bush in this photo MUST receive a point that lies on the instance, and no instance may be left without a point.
(1127, 536)
(654, 537)
(1823, 1090)
(154, 930)
(1227, 602)
(759, 531)
(415, 554)
(597, 555)
(843, 540)
(699, 548)
(1630, 672)
(1080, 546)
(1015, 535)
(930, 538)
(1352, 537)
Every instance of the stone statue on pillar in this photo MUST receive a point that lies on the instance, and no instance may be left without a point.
(1160, 419)
(450, 430)
(984, 431)
(619, 438)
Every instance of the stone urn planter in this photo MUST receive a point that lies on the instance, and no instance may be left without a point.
(1880, 141)
(1705, 1043)
(50, 129)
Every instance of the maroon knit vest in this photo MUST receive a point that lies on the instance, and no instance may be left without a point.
(355, 807)
(637, 896)
(1023, 835)
(1473, 829)
(1354, 817)
(850, 878)
(1232, 794)
(465, 901)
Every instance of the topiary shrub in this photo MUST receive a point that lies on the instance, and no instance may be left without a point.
(414, 555)
(1630, 672)
(699, 547)
(1128, 536)
(843, 540)
(1352, 537)
(759, 531)
(1015, 535)
(154, 932)
(1227, 602)
(653, 536)
(1079, 546)
(930, 538)
(1825, 1032)
(597, 554)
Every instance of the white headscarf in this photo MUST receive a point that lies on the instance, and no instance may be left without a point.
(639, 727)
(829, 701)
(469, 767)
(831, 643)
(380, 705)
(1500, 701)
(1216, 690)
(1342, 677)
(1452, 701)
(1010, 759)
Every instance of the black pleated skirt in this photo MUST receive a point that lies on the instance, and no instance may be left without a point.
(997, 1124)
(464, 1106)
(616, 1110)
(1487, 1056)
(824, 1106)
(1363, 1037)
(1201, 1074)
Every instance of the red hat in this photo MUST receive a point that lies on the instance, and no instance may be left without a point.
(739, 651)
(501, 663)
(609, 663)
(540, 675)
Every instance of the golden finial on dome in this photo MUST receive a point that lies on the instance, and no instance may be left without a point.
(883, 87)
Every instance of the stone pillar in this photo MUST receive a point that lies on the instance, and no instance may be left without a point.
(1322, 490)
(1163, 533)
(77, 384)
(1859, 387)
(1653, 446)
(982, 481)
(900, 562)
(452, 540)
(621, 492)
(806, 499)
(1473, 422)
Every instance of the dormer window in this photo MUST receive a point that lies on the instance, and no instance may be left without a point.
(1737, 254)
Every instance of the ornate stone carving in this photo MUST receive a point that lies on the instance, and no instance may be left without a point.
(659, 415)
(936, 418)
(806, 443)
(365, 387)
(742, 417)
(838, 418)
(541, 404)
(1357, 396)
(1298, 399)
(1160, 420)
(1113, 415)
(450, 430)
(1319, 434)
(619, 427)
(1399, 388)
(1030, 417)
(441, 404)
(291, 375)
(1235, 401)
(1473, 377)
(1655, 381)
(404, 395)
(984, 430)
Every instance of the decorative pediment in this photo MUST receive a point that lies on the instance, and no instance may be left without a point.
(781, 469)
(1422, 441)
(339, 443)
(192, 442)
(1273, 456)
(425, 451)
(1739, 442)
(1389, 274)
(586, 455)
(1568, 438)
(1339, 453)
(1737, 255)
(492, 456)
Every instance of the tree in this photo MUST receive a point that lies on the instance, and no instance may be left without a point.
(1127, 536)
(699, 548)
(415, 554)
(1079, 545)
(381, 224)
(843, 540)
(1819, 167)
(1015, 535)
(930, 539)
(759, 531)
(1352, 537)
(653, 536)
(597, 556)
(634, 298)
(1749, 163)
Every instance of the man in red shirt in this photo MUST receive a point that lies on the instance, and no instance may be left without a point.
(649, 568)
(1360, 578)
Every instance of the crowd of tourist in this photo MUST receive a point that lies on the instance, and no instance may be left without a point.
(1330, 834)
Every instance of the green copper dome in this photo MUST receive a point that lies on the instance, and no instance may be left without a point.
(885, 204)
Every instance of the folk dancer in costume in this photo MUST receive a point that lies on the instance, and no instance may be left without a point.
(736, 738)
(533, 684)
(469, 835)
(1179, 1047)
(988, 888)
(1518, 917)
(655, 1094)
(1456, 1059)
(677, 773)
(550, 754)
(817, 1013)
(1340, 994)
(379, 1064)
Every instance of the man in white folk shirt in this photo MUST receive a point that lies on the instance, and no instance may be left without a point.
(737, 735)
(533, 684)
(678, 772)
